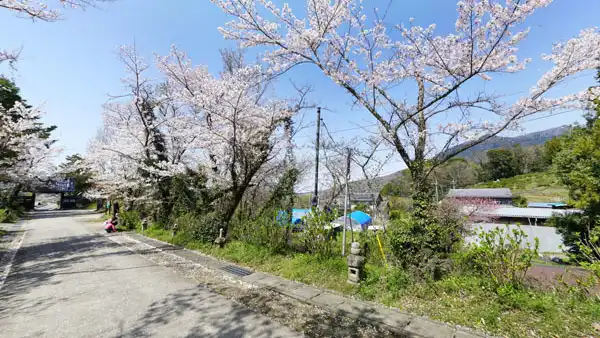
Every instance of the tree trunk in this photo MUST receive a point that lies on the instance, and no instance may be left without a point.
(422, 195)
(231, 205)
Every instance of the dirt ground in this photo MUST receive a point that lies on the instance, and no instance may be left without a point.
(558, 276)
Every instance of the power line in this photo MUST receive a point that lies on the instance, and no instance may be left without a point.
(375, 124)
(551, 115)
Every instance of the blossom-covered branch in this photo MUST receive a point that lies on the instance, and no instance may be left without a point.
(41, 10)
(369, 58)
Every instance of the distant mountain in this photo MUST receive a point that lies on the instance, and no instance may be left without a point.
(527, 140)
(496, 142)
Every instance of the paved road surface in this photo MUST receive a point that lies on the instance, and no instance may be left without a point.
(67, 281)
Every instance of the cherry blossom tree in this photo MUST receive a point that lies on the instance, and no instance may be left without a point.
(476, 209)
(241, 131)
(145, 138)
(27, 152)
(370, 58)
(224, 127)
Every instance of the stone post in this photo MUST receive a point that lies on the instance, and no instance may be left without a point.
(220, 241)
(144, 224)
(174, 229)
(356, 263)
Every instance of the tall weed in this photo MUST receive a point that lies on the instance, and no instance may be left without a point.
(317, 234)
(129, 219)
(267, 231)
(504, 255)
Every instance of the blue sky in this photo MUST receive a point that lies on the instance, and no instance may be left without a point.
(70, 66)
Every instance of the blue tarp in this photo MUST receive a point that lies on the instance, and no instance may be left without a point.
(297, 215)
(361, 217)
(357, 220)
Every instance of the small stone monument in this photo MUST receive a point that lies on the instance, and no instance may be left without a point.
(220, 241)
(174, 229)
(355, 264)
(144, 224)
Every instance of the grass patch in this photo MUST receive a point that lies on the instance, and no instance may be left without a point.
(536, 187)
(458, 299)
(91, 206)
(539, 261)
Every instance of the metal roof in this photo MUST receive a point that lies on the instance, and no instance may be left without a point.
(364, 196)
(514, 212)
(549, 205)
(480, 193)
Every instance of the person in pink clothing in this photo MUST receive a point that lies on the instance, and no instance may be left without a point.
(109, 226)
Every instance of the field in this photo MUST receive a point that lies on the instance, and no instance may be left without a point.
(535, 187)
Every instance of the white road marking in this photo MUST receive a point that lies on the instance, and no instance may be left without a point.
(8, 258)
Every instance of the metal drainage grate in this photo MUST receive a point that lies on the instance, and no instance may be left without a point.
(236, 270)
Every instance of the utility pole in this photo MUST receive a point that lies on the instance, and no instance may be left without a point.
(315, 199)
(437, 196)
(346, 197)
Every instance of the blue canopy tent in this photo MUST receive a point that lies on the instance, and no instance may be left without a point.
(358, 220)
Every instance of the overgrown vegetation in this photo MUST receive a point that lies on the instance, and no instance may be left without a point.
(577, 164)
(465, 296)
(504, 256)
(10, 214)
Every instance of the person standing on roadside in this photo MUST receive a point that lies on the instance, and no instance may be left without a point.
(108, 207)
(116, 208)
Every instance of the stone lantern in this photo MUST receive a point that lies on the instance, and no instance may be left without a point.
(356, 263)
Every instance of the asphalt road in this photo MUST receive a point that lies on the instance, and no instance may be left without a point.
(67, 280)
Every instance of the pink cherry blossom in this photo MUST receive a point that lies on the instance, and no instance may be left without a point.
(368, 56)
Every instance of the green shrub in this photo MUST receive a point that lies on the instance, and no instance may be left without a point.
(11, 215)
(587, 255)
(202, 228)
(370, 245)
(398, 214)
(520, 201)
(389, 283)
(580, 232)
(424, 248)
(317, 233)
(504, 255)
(265, 231)
(362, 207)
(129, 219)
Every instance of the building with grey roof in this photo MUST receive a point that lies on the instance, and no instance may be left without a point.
(525, 216)
(499, 195)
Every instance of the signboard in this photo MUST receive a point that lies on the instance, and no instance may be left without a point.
(67, 185)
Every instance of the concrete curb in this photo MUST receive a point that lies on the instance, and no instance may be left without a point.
(391, 319)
